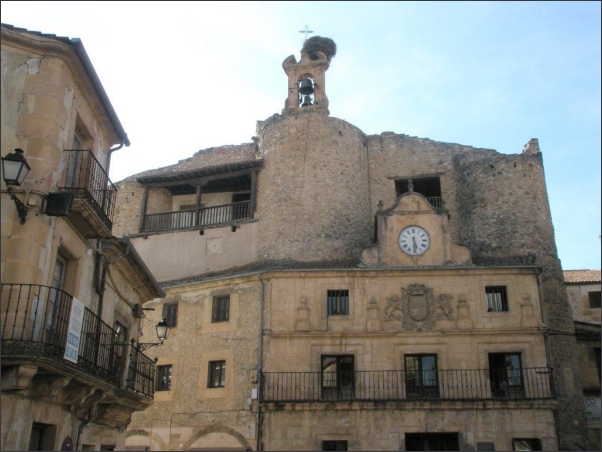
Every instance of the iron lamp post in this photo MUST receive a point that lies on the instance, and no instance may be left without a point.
(14, 171)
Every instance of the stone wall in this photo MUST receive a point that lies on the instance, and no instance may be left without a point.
(313, 201)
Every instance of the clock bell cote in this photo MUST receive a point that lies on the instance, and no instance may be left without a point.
(413, 233)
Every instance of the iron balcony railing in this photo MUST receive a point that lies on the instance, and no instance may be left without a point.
(86, 179)
(208, 216)
(394, 385)
(35, 322)
(435, 201)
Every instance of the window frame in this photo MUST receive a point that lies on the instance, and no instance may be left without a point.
(496, 298)
(507, 382)
(342, 386)
(164, 373)
(594, 299)
(216, 369)
(337, 302)
(220, 309)
(170, 312)
(419, 382)
(535, 443)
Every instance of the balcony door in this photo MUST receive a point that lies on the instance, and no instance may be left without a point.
(506, 376)
(55, 303)
(421, 376)
(337, 377)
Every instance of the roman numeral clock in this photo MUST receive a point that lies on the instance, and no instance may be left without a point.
(414, 240)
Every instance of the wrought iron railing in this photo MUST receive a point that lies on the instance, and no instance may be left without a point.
(435, 201)
(86, 179)
(141, 372)
(393, 385)
(208, 216)
(35, 322)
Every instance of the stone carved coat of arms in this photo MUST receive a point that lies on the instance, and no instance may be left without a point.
(417, 308)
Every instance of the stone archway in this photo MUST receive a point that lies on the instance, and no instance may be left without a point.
(212, 432)
(149, 438)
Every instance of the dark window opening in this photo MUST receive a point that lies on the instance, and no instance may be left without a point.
(421, 376)
(337, 444)
(597, 356)
(164, 378)
(42, 437)
(506, 375)
(338, 302)
(221, 309)
(337, 377)
(217, 374)
(429, 187)
(526, 444)
(496, 298)
(432, 441)
(170, 312)
(594, 300)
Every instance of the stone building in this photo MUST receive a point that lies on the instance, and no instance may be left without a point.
(583, 288)
(332, 290)
(71, 293)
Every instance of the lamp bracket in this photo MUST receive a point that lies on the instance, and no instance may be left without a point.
(21, 207)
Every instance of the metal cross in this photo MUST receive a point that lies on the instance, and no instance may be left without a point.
(306, 31)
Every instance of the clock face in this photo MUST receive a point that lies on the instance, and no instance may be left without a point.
(414, 240)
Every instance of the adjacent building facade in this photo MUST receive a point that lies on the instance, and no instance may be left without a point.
(72, 292)
(583, 288)
(332, 290)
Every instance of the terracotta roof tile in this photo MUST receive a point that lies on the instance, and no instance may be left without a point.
(581, 276)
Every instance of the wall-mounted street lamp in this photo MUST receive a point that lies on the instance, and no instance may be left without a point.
(14, 171)
(162, 333)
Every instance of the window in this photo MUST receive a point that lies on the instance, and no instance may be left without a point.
(432, 441)
(526, 444)
(496, 298)
(221, 309)
(170, 312)
(594, 300)
(164, 378)
(429, 187)
(597, 356)
(338, 302)
(58, 305)
(337, 377)
(506, 376)
(337, 444)
(421, 376)
(119, 347)
(217, 374)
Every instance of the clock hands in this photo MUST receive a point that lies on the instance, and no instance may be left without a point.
(415, 246)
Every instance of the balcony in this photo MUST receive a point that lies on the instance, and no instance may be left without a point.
(35, 322)
(397, 385)
(207, 216)
(92, 192)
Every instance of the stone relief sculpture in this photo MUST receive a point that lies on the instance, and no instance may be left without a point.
(418, 309)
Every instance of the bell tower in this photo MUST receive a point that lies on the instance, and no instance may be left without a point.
(306, 78)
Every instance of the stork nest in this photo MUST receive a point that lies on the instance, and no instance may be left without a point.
(320, 44)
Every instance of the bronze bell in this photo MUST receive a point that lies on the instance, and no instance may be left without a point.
(306, 101)
(306, 86)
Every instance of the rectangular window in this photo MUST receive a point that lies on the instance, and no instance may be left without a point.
(506, 375)
(421, 376)
(42, 437)
(164, 378)
(432, 441)
(526, 444)
(217, 374)
(338, 302)
(594, 300)
(496, 298)
(170, 312)
(221, 309)
(429, 187)
(337, 377)
(337, 444)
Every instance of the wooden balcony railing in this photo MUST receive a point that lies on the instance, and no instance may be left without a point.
(86, 179)
(394, 385)
(208, 216)
(435, 201)
(35, 322)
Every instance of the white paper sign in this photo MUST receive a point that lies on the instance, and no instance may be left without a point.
(75, 329)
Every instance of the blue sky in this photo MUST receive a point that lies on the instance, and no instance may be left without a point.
(184, 76)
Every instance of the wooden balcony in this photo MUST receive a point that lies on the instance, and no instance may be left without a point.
(207, 216)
